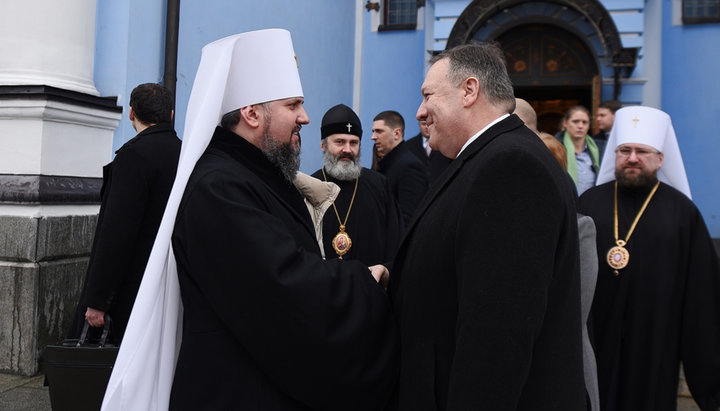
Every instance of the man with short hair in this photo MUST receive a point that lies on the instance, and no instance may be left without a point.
(435, 163)
(657, 299)
(136, 186)
(363, 223)
(266, 323)
(486, 282)
(605, 118)
(405, 173)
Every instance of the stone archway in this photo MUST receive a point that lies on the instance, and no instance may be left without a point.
(588, 18)
(583, 29)
(552, 69)
(585, 20)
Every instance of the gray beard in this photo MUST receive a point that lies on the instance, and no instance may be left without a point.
(341, 170)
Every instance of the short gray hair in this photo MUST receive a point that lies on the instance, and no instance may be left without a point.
(486, 62)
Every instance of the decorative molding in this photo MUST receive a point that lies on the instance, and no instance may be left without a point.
(49, 93)
(58, 112)
(40, 189)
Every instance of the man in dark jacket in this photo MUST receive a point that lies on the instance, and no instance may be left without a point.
(486, 283)
(435, 163)
(404, 172)
(136, 186)
(605, 119)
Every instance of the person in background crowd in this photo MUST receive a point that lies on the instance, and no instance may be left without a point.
(605, 119)
(435, 163)
(405, 173)
(583, 153)
(136, 186)
(527, 114)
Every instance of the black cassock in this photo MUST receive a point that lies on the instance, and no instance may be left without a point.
(663, 308)
(374, 221)
(269, 325)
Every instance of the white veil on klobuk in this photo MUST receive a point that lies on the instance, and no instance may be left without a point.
(652, 127)
(234, 72)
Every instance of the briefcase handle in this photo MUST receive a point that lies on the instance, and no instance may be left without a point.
(103, 336)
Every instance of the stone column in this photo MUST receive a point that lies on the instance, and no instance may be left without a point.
(55, 136)
(48, 42)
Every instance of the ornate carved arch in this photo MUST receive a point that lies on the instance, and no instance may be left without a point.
(595, 24)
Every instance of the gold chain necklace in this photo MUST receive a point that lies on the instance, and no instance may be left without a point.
(341, 243)
(618, 256)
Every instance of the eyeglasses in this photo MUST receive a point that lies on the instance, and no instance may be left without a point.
(640, 152)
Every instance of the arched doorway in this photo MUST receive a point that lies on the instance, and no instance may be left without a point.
(550, 68)
(566, 47)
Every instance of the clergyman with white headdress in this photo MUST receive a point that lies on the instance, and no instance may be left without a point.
(265, 323)
(657, 299)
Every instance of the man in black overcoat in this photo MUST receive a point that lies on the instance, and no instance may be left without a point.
(486, 283)
(405, 173)
(136, 186)
(435, 163)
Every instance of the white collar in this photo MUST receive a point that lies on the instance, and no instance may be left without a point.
(474, 137)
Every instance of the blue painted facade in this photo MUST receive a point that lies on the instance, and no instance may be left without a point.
(375, 71)
(691, 95)
(392, 72)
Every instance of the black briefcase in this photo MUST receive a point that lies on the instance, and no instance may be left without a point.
(77, 371)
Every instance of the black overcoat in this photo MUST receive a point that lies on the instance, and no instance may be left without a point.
(136, 186)
(434, 164)
(406, 177)
(269, 325)
(486, 284)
